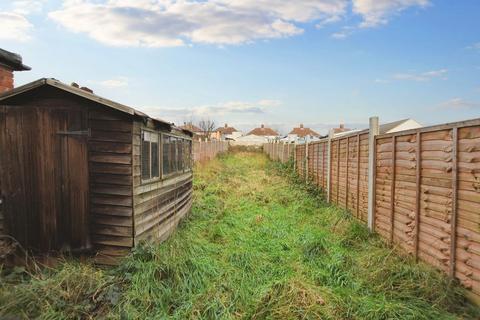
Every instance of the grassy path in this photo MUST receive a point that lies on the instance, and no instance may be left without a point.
(255, 247)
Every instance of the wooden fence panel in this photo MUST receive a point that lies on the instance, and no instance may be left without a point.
(300, 160)
(436, 191)
(208, 150)
(466, 249)
(352, 178)
(426, 190)
(363, 179)
(311, 161)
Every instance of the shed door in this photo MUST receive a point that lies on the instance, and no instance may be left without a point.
(44, 176)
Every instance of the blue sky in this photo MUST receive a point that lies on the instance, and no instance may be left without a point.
(246, 62)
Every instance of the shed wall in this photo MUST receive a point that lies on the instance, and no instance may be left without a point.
(159, 205)
(111, 183)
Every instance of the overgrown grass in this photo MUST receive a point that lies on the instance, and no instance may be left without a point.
(258, 245)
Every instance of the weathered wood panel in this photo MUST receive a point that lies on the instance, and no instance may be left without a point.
(3, 231)
(159, 205)
(45, 176)
(111, 184)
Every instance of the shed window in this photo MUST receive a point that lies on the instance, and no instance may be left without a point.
(167, 158)
(176, 154)
(187, 144)
(150, 153)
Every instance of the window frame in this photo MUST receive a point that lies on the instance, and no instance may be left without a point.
(184, 169)
(142, 139)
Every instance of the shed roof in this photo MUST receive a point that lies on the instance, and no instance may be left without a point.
(263, 131)
(81, 93)
(12, 60)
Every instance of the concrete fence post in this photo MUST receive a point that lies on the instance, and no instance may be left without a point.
(373, 132)
(329, 165)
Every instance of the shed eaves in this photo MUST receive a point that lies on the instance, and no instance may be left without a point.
(79, 92)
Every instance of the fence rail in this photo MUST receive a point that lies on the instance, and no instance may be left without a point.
(424, 189)
(207, 150)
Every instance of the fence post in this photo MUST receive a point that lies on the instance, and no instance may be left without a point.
(453, 220)
(373, 132)
(294, 156)
(329, 165)
(306, 161)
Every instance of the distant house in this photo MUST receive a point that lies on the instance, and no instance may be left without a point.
(257, 136)
(227, 133)
(405, 124)
(198, 133)
(264, 132)
(302, 133)
(396, 126)
(340, 129)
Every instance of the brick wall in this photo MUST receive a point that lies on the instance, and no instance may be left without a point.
(6, 79)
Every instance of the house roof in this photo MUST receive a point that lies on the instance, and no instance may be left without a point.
(81, 93)
(340, 129)
(226, 129)
(262, 131)
(191, 127)
(387, 127)
(12, 60)
(302, 132)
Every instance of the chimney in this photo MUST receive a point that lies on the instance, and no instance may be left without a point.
(263, 126)
(226, 125)
(9, 62)
(301, 125)
(342, 126)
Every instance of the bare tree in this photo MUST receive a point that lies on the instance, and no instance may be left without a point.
(207, 126)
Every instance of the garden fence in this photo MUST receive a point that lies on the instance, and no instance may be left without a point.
(419, 189)
(207, 150)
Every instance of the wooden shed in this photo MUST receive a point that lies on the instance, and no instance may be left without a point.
(80, 173)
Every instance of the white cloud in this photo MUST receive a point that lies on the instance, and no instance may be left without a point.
(379, 80)
(459, 104)
(345, 32)
(117, 82)
(421, 77)
(378, 12)
(269, 103)
(26, 7)
(475, 46)
(225, 109)
(14, 26)
(167, 23)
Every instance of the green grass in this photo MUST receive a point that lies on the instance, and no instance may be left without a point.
(258, 245)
